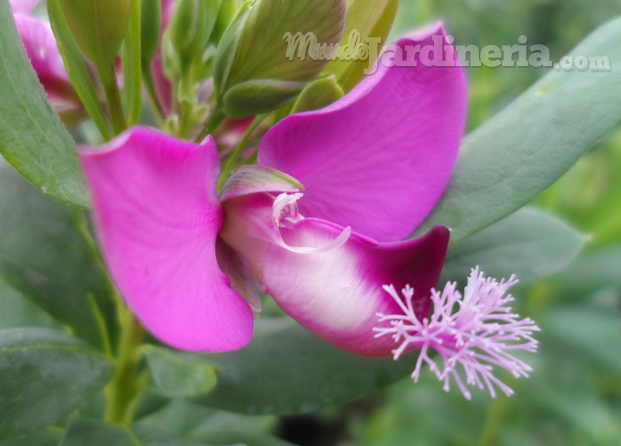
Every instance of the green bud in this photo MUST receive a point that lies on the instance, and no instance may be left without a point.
(256, 71)
(191, 27)
(318, 94)
(226, 13)
(98, 26)
(151, 19)
(372, 21)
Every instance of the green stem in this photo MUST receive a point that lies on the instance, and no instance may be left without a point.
(113, 95)
(154, 99)
(231, 162)
(124, 390)
(213, 122)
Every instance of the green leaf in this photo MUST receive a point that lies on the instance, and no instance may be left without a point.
(32, 137)
(46, 437)
(175, 376)
(200, 423)
(47, 254)
(249, 439)
(591, 271)
(17, 311)
(516, 155)
(287, 369)
(85, 431)
(529, 243)
(156, 436)
(44, 375)
(594, 333)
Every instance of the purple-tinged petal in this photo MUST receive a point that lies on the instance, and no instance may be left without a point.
(337, 294)
(158, 218)
(47, 62)
(328, 279)
(242, 279)
(379, 158)
(23, 6)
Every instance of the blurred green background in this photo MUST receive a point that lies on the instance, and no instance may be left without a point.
(574, 395)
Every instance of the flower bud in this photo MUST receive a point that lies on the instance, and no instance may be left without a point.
(191, 27)
(151, 18)
(272, 50)
(98, 26)
(318, 94)
(226, 13)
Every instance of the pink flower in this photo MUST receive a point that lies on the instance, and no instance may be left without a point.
(373, 163)
(45, 57)
(476, 332)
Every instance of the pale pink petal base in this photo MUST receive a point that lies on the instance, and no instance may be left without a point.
(337, 294)
(158, 218)
(379, 158)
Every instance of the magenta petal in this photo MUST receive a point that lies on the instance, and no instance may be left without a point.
(379, 158)
(158, 218)
(47, 62)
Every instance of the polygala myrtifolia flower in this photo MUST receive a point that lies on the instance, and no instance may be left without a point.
(475, 332)
(188, 259)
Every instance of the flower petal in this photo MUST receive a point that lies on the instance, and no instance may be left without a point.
(23, 6)
(158, 219)
(240, 274)
(336, 292)
(379, 158)
(47, 62)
